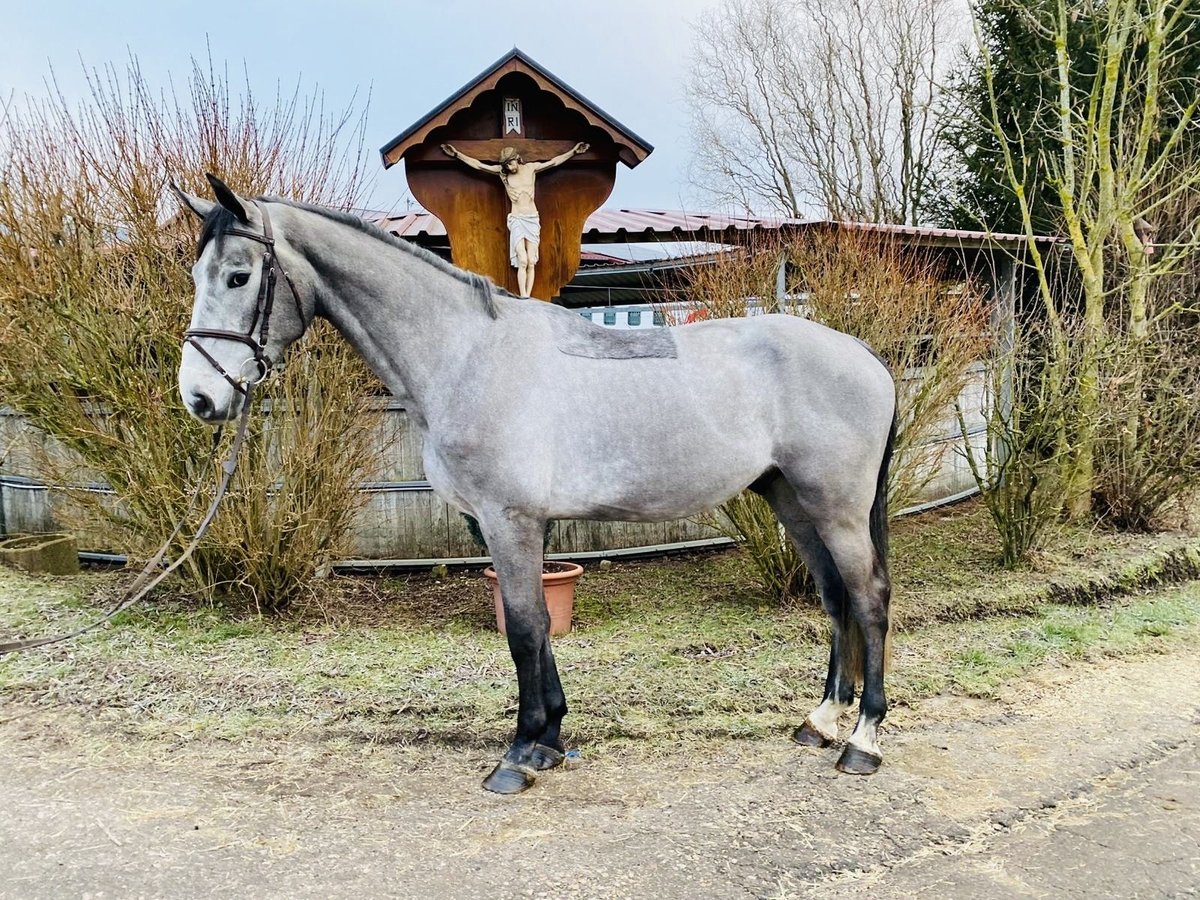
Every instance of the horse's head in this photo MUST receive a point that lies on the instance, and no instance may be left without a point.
(239, 328)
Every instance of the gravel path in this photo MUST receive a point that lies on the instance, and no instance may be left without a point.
(1082, 782)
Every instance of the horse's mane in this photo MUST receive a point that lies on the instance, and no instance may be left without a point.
(221, 219)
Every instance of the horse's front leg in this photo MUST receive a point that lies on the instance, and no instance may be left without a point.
(549, 750)
(515, 542)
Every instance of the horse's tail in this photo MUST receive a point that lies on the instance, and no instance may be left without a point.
(853, 645)
(879, 509)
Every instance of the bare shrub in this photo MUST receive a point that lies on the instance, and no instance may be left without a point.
(736, 281)
(1023, 469)
(1147, 456)
(898, 301)
(95, 293)
(1148, 448)
(749, 520)
(927, 326)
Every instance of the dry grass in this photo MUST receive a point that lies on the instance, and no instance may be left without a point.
(665, 654)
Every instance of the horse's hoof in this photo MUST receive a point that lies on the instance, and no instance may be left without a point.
(808, 736)
(509, 778)
(858, 762)
(546, 757)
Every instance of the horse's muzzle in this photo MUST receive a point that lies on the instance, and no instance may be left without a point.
(201, 406)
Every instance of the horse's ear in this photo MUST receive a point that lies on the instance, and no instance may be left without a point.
(228, 198)
(198, 205)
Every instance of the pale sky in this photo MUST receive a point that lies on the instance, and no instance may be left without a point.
(629, 57)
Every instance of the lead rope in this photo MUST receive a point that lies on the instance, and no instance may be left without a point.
(139, 588)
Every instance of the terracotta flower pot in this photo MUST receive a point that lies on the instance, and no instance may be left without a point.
(558, 583)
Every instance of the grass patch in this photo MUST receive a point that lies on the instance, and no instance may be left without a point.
(977, 658)
(683, 650)
(946, 567)
(666, 653)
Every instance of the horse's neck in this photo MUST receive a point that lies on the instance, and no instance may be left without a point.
(414, 324)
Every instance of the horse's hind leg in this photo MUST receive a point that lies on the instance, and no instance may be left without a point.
(820, 728)
(868, 591)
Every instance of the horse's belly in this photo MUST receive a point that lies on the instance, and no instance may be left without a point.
(443, 480)
(648, 503)
(631, 453)
(662, 474)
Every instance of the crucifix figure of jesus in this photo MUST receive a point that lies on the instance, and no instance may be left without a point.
(524, 224)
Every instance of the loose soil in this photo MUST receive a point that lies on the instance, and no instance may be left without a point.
(1077, 779)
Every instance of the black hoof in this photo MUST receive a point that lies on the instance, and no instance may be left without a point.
(807, 736)
(546, 757)
(858, 762)
(509, 778)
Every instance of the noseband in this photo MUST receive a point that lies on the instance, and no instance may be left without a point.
(262, 312)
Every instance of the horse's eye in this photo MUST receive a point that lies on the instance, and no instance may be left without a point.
(237, 279)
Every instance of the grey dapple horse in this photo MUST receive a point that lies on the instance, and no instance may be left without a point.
(801, 414)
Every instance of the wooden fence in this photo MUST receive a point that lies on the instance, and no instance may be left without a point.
(403, 520)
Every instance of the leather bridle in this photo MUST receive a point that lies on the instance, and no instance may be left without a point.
(262, 313)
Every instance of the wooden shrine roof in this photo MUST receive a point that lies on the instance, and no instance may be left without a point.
(631, 149)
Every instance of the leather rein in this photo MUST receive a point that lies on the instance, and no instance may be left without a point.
(145, 581)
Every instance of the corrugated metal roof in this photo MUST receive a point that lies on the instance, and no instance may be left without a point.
(653, 225)
(592, 258)
(415, 224)
(604, 223)
(657, 224)
(946, 233)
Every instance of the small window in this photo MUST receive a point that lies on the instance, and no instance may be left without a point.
(610, 318)
(587, 315)
(635, 319)
(659, 319)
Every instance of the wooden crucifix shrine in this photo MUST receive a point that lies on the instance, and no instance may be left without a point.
(513, 164)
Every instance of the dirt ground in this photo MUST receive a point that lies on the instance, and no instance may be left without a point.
(1081, 781)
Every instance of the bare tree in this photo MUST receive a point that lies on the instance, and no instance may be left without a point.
(805, 106)
(1118, 148)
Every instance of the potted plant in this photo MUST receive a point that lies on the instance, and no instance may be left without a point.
(558, 583)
